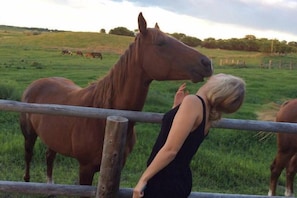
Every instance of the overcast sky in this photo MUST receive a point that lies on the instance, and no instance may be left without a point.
(273, 19)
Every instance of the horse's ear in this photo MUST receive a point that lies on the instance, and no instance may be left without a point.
(142, 24)
(157, 26)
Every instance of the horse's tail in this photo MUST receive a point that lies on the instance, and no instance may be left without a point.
(268, 113)
(30, 137)
(285, 103)
(26, 126)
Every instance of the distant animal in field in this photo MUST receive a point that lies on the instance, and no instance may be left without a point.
(97, 55)
(94, 55)
(79, 53)
(66, 52)
(286, 157)
(152, 56)
(88, 55)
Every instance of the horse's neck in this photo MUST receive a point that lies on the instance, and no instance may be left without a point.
(131, 94)
(125, 86)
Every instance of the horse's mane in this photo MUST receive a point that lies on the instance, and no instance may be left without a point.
(105, 87)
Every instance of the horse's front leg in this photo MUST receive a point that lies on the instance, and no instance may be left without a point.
(50, 157)
(290, 174)
(130, 142)
(86, 173)
(279, 163)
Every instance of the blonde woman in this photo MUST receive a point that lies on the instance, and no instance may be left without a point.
(183, 129)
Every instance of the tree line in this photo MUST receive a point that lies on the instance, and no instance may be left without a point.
(251, 43)
(248, 43)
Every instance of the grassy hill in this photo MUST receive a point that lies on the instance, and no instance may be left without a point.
(229, 161)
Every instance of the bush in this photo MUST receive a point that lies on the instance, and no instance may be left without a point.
(188, 40)
(191, 41)
(121, 31)
(8, 91)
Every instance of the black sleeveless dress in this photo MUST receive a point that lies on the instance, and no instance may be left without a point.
(175, 180)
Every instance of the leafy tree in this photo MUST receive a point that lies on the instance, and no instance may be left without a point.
(293, 44)
(251, 43)
(265, 45)
(209, 43)
(250, 37)
(191, 41)
(121, 31)
(178, 36)
(102, 31)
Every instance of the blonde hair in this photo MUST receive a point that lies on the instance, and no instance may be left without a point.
(226, 94)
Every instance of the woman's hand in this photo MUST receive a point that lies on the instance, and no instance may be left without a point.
(138, 191)
(180, 94)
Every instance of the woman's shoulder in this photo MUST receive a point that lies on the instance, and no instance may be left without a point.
(191, 99)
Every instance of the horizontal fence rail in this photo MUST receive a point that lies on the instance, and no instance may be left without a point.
(47, 189)
(137, 116)
(76, 190)
(78, 111)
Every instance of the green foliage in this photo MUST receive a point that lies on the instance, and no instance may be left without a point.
(251, 43)
(8, 90)
(191, 41)
(178, 36)
(121, 31)
(188, 40)
(230, 161)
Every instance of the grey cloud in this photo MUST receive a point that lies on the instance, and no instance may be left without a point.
(252, 14)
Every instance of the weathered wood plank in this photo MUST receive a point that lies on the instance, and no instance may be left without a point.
(112, 157)
(137, 116)
(46, 189)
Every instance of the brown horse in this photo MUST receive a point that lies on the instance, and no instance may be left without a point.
(79, 53)
(152, 56)
(286, 156)
(96, 55)
(89, 55)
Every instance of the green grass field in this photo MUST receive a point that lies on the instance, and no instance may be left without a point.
(229, 161)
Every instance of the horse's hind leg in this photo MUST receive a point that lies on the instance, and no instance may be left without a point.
(290, 174)
(279, 163)
(50, 157)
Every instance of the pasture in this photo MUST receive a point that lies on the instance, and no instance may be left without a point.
(229, 161)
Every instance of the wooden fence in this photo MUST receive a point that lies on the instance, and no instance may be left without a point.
(121, 116)
(278, 64)
(266, 64)
(232, 61)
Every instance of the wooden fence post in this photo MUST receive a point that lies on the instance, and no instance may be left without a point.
(112, 157)
(280, 64)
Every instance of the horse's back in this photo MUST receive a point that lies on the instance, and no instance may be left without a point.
(53, 90)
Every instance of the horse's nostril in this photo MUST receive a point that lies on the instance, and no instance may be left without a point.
(206, 62)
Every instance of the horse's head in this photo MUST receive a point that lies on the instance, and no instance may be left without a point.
(166, 58)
